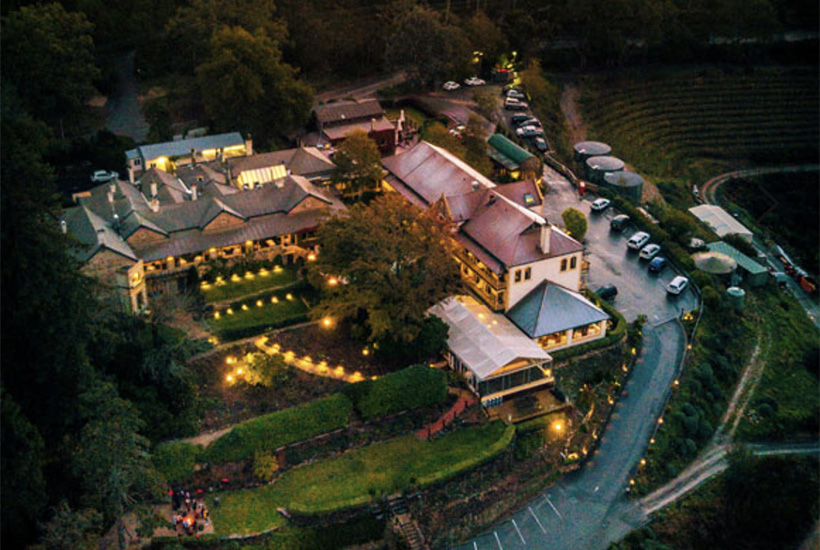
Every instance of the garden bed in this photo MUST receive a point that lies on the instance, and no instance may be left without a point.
(235, 287)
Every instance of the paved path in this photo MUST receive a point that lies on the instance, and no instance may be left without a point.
(588, 509)
(124, 115)
(465, 399)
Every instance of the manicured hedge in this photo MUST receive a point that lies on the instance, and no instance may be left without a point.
(410, 388)
(175, 460)
(280, 428)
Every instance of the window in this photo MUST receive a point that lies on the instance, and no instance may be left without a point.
(527, 274)
(529, 199)
(137, 162)
(517, 275)
(564, 264)
(573, 263)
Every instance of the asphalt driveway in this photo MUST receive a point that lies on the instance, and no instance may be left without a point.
(612, 262)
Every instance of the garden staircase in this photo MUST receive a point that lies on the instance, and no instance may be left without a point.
(405, 524)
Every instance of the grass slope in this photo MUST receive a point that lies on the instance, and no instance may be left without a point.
(244, 286)
(355, 477)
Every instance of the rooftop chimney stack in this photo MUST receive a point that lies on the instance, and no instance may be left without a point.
(475, 185)
(193, 156)
(112, 187)
(546, 237)
(63, 226)
(372, 124)
(153, 189)
(111, 197)
(193, 192)
(154, 204)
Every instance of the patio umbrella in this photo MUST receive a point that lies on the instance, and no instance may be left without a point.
(714, 263)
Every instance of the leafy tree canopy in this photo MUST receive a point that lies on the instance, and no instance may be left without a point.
(358, 162)
(245, 85)
(394, 262)
(48, 55)
(575, 222)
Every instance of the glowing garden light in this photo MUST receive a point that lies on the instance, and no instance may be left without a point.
(258, 303)
(244, 307)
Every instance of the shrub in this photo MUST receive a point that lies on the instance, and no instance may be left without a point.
(175, 460)
(575, 222)
(275, 430)
(265, 465)
(411, 388)
(711, 297)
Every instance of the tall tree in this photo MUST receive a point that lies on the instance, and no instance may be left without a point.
(246, 86)
(575, 222)
(393, 262)
(428, 48)
(48, 56)
(190, 31)
(358, 163)
(487, 38)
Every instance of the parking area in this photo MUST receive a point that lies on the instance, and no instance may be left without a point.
(613, 263)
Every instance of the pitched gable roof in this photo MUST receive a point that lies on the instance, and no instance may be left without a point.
(428, 172)
(183, 147)
(302, 161)
(551, 308)
(348, 110)
(485, 341)
(96, 233)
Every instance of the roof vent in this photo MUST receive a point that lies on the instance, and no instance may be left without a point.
(63, 226)
(475, 185)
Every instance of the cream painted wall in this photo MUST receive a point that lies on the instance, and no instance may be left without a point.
(549, 269)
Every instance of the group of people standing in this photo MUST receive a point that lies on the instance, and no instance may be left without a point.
(190, 512)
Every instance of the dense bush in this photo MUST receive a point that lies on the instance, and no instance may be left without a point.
(175, 460)
(271, 431)
(410, 388)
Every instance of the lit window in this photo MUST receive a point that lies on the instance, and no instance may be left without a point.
(528, 199)
(527, 274)
(518, 275)
(564, 264)
(573, 263)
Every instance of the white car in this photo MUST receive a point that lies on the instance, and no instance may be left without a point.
(103, 176)
(529, 131)
(450, 86)
(474, 81)
(650, 251)
(677, 285)
(516, 94)
(637, 240)
(599, 205)
(512, 104)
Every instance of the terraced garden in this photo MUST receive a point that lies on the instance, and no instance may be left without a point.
(697, 122)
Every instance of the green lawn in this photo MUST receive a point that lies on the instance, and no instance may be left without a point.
(355, 477)
(233, 288)
(256, 318)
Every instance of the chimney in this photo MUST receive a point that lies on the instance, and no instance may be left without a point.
(475, 185)
(153, 189)
(112, 187)
(546, 237)
(193, 192)
(154, 204)
(116, 223)
(111, 197)
(63, 226)
(372, 124)
(249, 145)
(193, 156)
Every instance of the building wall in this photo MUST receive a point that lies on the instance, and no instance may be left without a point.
(222, 221)
(143, 236)
(549, 269)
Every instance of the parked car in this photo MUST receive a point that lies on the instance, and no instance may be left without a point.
(619, 222)
(607, 292)
(599, 205)
(650, 251)
(677, 285)
(449, 86)
(512, 104)
(520, 119)
(474, 81)
(529, 131)
(658, 264)
(516, 94)
(637, 240)
(541, 144)
(103, 175)
(529, 121)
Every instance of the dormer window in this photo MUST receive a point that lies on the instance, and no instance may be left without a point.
(529, 199)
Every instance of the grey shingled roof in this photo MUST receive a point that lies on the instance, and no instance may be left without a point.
(348, 110)
(265, 211)
(551, 308)
(303, 161)
(485, 341)
(183, 147)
